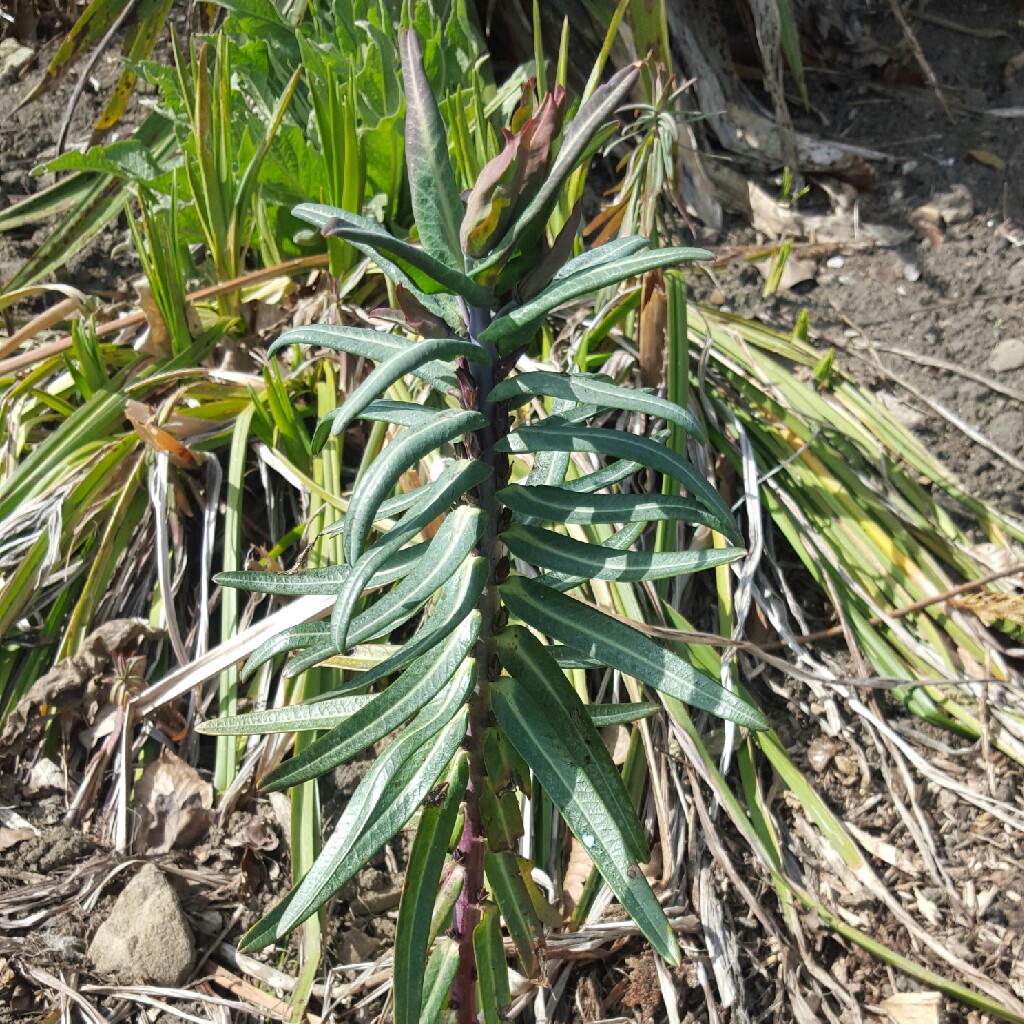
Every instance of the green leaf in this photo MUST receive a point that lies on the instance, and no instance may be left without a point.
(589, 120)
(525, 658)
(542, 744)
(324, 581)
(509, 891)
(444, 306)
(378, 382)
(429, 275)
(491, 968)
(418, 685)
(623, 540)
(601, 255)
(623, 445)
(577, 387)
(619, 714)
(404, 414)
(518, 325)
(449, 549)
(562, 554)
(560, 505)
(437, 982)
(375, 345)
(305, 634)
(623, 647)
(422, 881)
(455, 602)
(383, 802)
(385, 471)
(436, 203)
(322, 714)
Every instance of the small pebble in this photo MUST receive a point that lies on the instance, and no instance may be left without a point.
(911, 272)
(835, 262)
(1008, 355)
(717, 297)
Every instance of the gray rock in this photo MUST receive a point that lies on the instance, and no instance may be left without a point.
(1007, 430)
(146, 938)
(1007, 355)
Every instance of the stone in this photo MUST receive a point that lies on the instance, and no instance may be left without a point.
(146, 939)
(1007, 430)
(835, 262)
(1008, 355)
(14, 58)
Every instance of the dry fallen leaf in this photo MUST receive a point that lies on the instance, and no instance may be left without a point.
(983, 156)
(177, 804)
(915, 1008)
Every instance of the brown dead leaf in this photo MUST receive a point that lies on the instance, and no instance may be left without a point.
(989, 159)
(177, 805)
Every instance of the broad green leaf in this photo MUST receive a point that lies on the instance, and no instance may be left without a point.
(519, 324)
(450, 547)
(622, 540)
(429, 275)
(562, 554)
(619, 714)
(525, 658)
(491, 969)
(622, 445)
(404, 414)
(620, 646)
(378, 382)
(422, 881)
(384, 472)
(374, 820)
(559, 505)
(576, 387)
(437, 982)
(509, 891)
(542, 744)
(375, 345)
(418, 685)
(436, 203)
(323, 714)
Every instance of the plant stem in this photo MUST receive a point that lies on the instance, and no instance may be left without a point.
(470, 850)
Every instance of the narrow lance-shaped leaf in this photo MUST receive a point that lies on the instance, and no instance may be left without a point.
(559, 505)
(542, 743)
(436, 203)
(511, 329)
(491, 968)
(524, 927)
(422, 881)
(377, 383)
(589, 120)
(324, 714)
(576, 387)
(437, 982)
(419, 684)
(525, 659)
(427, 274)
(623, 647)
(622, 445)
(450, 547)
(383, 802)
(562, 554)
(384, 472)
(456, 601)
(444, 306)
(375, 345)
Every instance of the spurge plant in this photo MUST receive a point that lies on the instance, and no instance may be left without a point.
(478, 703)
